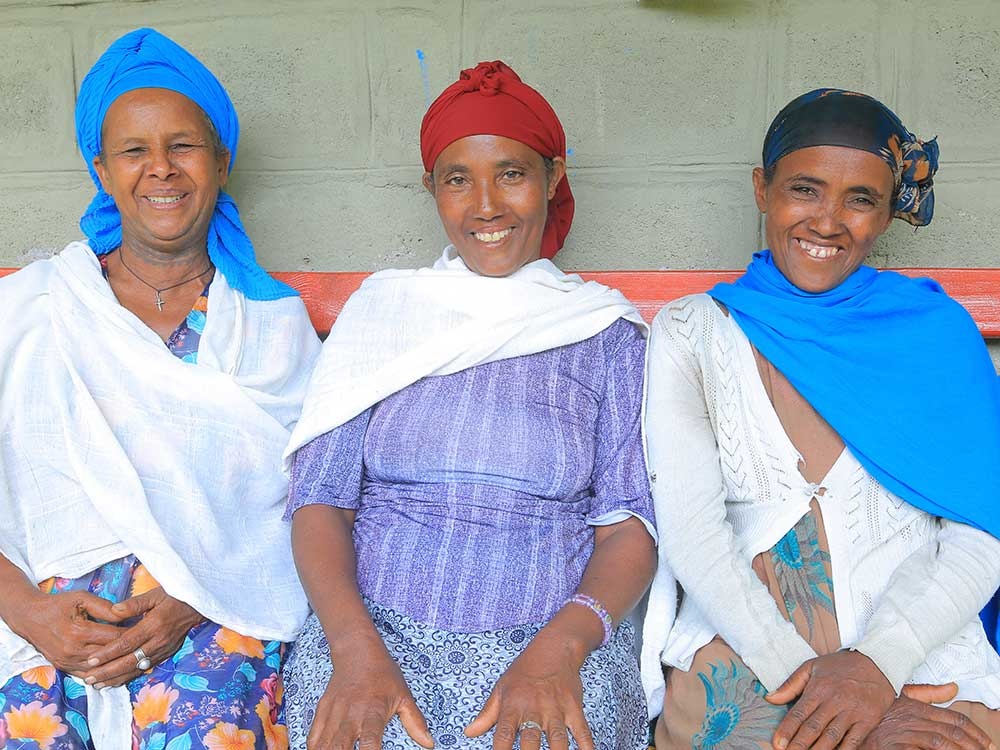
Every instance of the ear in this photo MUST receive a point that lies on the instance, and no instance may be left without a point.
(428, 180)
(102, 174)
(223, 167)
(555, 177)
(760, 189)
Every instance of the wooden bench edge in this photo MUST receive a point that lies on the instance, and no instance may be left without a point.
(977, 289)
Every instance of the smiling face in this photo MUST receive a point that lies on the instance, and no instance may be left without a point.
(162, 169)
(825, 206)
(492, 195)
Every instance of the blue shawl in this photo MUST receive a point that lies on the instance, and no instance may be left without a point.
(899, 370)
(144, 58)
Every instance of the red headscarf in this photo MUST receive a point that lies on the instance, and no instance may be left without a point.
(490, 99)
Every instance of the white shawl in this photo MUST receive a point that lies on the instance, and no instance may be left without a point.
(111, 445)
(401, 326)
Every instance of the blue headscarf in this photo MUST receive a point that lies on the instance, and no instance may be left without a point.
(144, 58)
(834, 117)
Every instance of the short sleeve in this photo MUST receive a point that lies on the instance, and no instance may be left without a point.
(620, 484)
(328, 470)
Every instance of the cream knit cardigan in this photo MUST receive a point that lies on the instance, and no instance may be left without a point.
(726, 487)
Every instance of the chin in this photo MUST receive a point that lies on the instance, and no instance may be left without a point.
(487, 266)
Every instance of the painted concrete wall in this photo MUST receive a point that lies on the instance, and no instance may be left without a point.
(665, 103)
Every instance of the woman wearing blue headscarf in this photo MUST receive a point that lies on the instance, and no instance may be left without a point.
(825, 446)
(149, 380)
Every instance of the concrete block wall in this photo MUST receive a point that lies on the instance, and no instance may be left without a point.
(665, 103)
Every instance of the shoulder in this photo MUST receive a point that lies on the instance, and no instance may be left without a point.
(622, 335)
(926, 300)
(619, 347)
(34, 274)
(32, 280)
(688, 320)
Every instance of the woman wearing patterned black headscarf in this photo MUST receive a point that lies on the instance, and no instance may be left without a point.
(826, 445)
(149, 378)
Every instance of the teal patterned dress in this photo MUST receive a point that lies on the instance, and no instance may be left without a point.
(719, 703)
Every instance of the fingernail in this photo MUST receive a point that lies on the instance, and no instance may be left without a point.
(89, 680)
(93, 662)
(781, 744)
(99, 686)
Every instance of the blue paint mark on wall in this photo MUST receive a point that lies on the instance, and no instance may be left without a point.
(569, 152)
(425, 75)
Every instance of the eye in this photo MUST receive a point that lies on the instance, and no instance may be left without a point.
(804, 190)
(512, 174)
(866, 201)
(455, 180)
(134, 151)
(182, 148)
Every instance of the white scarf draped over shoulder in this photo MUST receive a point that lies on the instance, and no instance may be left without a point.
(404, 325)
(111, 445)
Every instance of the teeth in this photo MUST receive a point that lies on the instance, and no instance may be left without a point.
(163, 198)
(492, 236)
(818, 251)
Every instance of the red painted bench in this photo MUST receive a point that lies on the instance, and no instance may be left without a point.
(978, 289)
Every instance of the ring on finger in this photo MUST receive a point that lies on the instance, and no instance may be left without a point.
(142, 661)
(529, 725)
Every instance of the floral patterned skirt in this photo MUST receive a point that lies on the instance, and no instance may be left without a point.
(220, 690)
(452, 674)
(719, 703)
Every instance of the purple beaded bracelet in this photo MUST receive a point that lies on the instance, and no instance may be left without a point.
(598, 609)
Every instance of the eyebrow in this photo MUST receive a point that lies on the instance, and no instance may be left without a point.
(188, 134)
(806, 178)
(863, 189)
(504, 164)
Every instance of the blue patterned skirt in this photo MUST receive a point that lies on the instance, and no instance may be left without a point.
(452, 674)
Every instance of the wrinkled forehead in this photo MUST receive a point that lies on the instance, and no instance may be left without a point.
(485, 150)
(161, 99)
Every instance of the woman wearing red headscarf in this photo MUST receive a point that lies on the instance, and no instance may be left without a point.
(470, 511)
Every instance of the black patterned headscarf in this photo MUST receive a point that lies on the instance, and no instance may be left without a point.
(834, 117)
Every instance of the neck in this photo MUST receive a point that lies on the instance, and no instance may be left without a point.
(162, 268)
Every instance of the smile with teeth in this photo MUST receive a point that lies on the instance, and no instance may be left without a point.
(818, 251)
(492, 236)
(163, 200)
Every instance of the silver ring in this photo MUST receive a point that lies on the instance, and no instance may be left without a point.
(142, 661)
(529, 725)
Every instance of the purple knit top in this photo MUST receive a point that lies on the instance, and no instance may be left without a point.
(476, 493)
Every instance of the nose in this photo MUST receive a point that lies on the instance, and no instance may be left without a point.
(827, 221)
(488, 204)
(160, 163)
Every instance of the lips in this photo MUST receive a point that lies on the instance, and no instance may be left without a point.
(817, 251)
(165, 200)
(494, 236)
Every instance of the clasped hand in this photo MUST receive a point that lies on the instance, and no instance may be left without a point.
(841, 698)
(91, 638)
(844, 701)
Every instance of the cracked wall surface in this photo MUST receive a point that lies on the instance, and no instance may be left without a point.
(665, 103)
